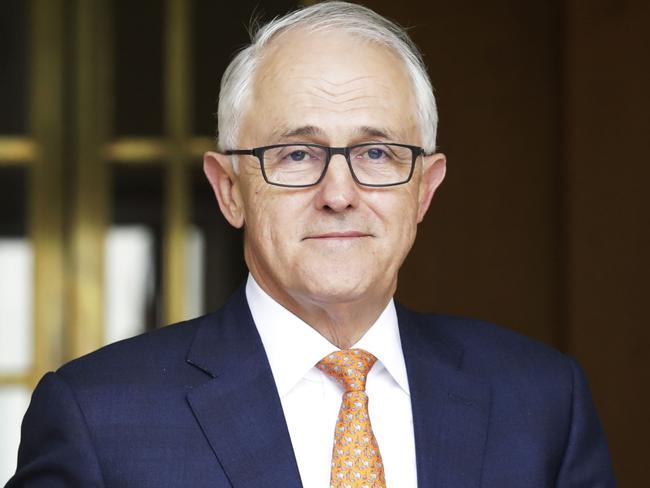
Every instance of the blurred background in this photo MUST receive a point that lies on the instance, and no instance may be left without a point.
(108, 228)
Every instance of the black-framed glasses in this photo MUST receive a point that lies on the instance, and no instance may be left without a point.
(301, 165)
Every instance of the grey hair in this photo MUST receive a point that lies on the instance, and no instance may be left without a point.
(236, 83)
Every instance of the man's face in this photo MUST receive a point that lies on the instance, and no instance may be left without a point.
(337, 241)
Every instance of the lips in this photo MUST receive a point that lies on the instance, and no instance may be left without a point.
(346, 234)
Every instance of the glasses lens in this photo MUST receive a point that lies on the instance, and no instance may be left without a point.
(381, 164)
(294, 165)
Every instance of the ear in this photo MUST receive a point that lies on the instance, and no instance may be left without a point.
(434, 167)
(225, 184)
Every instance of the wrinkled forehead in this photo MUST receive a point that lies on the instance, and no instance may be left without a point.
(332, 73)
(333, 55)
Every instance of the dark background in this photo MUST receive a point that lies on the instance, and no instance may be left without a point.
(543, 222)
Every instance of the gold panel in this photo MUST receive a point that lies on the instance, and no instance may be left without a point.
(139, 150)
(21, 380)
(199, 145)
(136, 150)
(178, 66)
(46, 181)
(90, 211)
(17, 150)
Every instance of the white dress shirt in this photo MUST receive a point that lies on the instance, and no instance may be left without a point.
(311, 399)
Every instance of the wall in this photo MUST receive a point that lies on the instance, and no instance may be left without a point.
(607, 129)
(543, 223)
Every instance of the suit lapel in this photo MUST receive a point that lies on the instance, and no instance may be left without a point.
(450, 408)
(239, 409)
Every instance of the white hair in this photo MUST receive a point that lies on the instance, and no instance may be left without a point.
(357, 20)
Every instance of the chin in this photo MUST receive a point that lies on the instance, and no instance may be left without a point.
(338, 288)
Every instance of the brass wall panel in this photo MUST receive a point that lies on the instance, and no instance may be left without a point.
(129, 150)
(46, 183)
(90, 212)
(178, 62)
(17, 379)
(138, 150)
(16, 150)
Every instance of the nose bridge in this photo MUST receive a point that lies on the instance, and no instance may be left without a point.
(338, 151)
(338, 189)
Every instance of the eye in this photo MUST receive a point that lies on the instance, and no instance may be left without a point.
(297, 155)
(375, 153)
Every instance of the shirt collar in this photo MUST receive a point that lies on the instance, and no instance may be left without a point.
(293, 347)
(382, 340)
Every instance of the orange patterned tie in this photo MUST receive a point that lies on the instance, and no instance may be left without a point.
(356, 461)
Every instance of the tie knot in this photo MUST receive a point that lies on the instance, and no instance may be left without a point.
(349, 367)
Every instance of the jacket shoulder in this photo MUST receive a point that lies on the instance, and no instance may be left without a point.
(488, 349)
(136, 357)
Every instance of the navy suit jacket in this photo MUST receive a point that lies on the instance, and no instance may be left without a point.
(195, 405)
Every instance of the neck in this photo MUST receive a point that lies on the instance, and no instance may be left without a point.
(342, 323)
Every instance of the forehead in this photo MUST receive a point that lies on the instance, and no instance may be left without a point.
(331, 80)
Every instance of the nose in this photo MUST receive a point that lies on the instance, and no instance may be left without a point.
(337, 191)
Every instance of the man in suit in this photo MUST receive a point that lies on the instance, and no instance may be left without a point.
(327, 160)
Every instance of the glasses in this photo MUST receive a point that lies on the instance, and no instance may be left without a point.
(303, 165)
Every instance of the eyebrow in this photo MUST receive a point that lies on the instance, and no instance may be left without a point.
(367, 131)
(313, 131)
(304, 131)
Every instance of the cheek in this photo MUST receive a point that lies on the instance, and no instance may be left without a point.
(397, 212)
(273, 221)
(256, 211)
(399, 220)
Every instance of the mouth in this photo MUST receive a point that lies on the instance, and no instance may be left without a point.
(341, 235)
